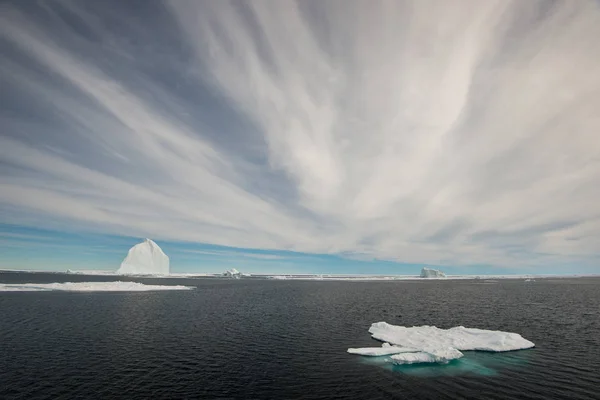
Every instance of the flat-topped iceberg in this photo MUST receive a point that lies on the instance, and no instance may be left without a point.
(145, 258)
(429, 344)
(459, 337)
(88, 287)
(432, 273)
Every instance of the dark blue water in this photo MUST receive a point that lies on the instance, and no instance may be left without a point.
(259, 339)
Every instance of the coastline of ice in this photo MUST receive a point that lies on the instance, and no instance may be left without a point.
(88, 287)
(376, 278)
(321, 277)
(429, 344)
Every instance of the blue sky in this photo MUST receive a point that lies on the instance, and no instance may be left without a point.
(316, 137)
(46, 250)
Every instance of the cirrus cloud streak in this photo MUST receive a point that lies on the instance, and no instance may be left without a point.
(422, 132)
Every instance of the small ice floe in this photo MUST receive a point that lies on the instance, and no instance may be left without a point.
(429, 344)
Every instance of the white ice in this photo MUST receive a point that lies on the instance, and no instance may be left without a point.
(432, 273)
(88, 287)
(441, 357)
(385, 350)
(431, 344)
(145, 258)
(409, 355)
(232, 273)
(459, 337)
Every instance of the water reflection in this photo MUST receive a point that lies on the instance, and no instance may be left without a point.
(473, 363)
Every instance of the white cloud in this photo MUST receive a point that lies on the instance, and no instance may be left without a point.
(235, 254)
(461, 133)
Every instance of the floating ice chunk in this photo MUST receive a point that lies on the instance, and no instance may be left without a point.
(428, 344)
(425, 357)
(432, 273)
(460, 338)
(413, 358)
(409, 355)
(232, 273)
(442, 354)
(88, 287)
(145, 258)
(439, 355)
(385, 350)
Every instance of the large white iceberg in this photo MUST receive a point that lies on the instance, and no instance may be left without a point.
(432, 273)
(88, 287)
(145, 258)
(431, 344)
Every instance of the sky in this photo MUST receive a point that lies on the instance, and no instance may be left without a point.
(301, 137)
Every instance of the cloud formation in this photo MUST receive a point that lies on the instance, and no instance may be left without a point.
(418, 131)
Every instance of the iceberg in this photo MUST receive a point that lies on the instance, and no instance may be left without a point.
(459, 337)
(429, 344)
(145, 258)
(88, 287)
(232, 273)
(432, 273)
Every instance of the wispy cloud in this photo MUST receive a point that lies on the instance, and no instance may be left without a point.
(225, 253)
(424, 132)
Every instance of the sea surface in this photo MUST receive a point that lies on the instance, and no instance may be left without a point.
(267, 339)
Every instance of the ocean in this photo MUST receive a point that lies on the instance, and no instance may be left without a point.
(269, 339)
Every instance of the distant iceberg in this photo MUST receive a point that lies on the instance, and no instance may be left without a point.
(429, 344)
(432, 273)
(145, 258)
(88, 287)
(232, 273)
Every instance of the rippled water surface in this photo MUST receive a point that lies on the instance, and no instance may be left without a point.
(259, 339)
